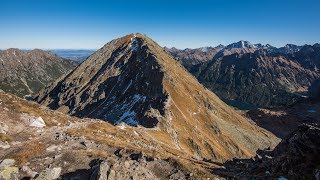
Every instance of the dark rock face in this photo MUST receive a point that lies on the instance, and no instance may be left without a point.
(296, 157)
(25, 73)
(298, 154)
(249, 76)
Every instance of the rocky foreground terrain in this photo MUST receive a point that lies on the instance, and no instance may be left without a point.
(36, 142)
(249, 76)
(25, 73)
(39, 143)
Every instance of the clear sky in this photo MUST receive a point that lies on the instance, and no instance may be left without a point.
(90, 24)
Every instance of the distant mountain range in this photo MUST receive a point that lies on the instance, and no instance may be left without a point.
(24, 73)
(253, 75)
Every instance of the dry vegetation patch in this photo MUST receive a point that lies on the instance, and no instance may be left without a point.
(27, 152)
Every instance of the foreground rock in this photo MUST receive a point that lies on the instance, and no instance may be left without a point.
(126, 165)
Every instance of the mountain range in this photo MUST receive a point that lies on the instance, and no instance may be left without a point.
(133, 110)
(25, 73)
(249, 75)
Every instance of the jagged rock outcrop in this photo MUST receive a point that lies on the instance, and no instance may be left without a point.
(249, 76)
(296, 157)
(133, 80)
(24, 73)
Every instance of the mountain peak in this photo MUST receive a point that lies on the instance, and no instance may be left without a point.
(220, 46)
(241, 44)
(133, 80)
(14, 52)
(129, 68)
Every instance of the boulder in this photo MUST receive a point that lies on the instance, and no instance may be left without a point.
(4, 145)
(50, 173)
(3, 128)
(9, 173)
(7, 162)
(37, 122)
(28, 172)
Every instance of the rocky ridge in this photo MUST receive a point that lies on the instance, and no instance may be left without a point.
(25, 73)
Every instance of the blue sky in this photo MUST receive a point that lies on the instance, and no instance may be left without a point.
(90, 24)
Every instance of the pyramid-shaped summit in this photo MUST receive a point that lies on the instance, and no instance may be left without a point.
(133, 80)
(121, 82)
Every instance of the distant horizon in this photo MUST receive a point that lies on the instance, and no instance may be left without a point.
(71, 24)
(95, 49)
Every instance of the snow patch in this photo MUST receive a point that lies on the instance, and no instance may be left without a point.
(126, 115)
(135, 132)
(127, 87)
(282, 178)
(312, 111)
(129, 116)
(204, 49)
(138, 97)
(134, 44)
(121, 126)
(131, 122)
(269, 157)
(242, 44)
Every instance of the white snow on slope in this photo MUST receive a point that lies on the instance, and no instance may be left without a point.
(127, 87)
(134, 44)
(204, 49)
(129, 116)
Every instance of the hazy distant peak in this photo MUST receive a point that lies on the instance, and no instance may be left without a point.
(241, 44)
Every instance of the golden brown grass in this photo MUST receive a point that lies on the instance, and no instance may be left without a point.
(27, 152)
(5, 137)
